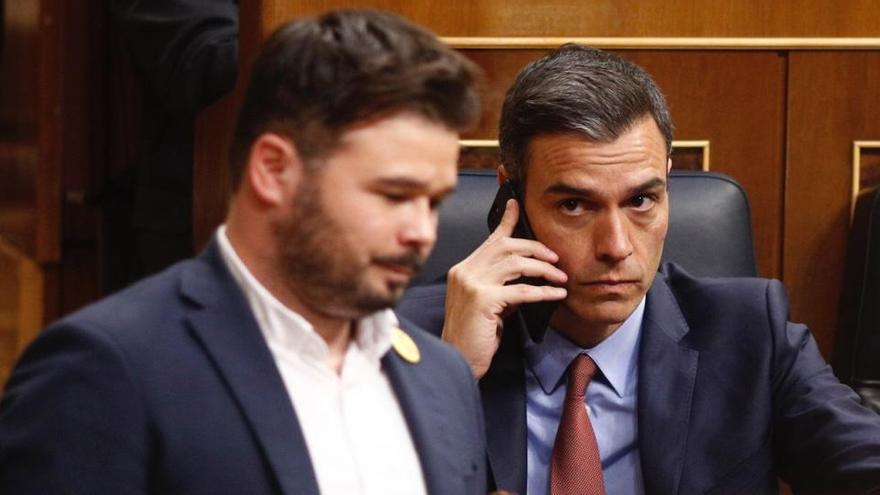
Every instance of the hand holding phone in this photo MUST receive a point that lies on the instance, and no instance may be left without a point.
(479, 294)
(534, 316)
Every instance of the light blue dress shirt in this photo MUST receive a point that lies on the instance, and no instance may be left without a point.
(611, 401)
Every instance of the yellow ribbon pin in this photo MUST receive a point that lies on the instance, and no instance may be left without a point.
(405, 347)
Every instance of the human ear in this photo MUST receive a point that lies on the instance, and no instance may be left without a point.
(502, 174)
(273, 169)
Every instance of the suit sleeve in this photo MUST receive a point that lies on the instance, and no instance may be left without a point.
(71, 420)
(185, 50)
(826, 440)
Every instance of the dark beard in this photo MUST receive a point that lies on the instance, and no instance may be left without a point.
(322, 270)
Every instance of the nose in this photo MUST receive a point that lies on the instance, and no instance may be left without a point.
(611, 237)
(419, 228)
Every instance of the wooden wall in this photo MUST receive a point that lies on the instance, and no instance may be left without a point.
(27, 219)
(51, 148)
(569, 18)
(780, 90)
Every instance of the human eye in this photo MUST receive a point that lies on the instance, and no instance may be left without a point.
(394, 196)
(571, 206)
(643, 202)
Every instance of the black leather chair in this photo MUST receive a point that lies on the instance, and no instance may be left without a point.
(857, 348)
(710, 232)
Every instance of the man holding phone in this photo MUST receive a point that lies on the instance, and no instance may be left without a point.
(644, 382)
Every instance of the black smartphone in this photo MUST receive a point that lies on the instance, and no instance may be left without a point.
(534, 316)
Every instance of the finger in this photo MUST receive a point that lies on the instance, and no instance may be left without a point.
(529, 267)
(527, 248)
(508, 220)
(517, 294)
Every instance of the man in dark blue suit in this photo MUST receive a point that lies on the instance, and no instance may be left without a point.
(271, 363)
(689, 385)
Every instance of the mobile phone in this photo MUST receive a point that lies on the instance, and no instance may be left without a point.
(534, 316)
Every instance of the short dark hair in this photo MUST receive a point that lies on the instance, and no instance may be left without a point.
(581, 90)
(316, 76)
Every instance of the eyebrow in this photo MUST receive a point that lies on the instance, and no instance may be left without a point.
(400, 182)
(405, 184)
(565, 189)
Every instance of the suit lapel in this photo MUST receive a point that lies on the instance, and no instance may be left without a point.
(223, 323)
(504, 405)
(667, 372)
(419, 401)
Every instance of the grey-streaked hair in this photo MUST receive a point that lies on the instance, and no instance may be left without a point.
(579, 90)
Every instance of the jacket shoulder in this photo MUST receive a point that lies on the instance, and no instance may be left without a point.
(151, 294)
(718, 310)
(738, 294)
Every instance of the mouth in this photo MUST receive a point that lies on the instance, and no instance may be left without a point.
(611, 282)
(401, 268)
(611, 285)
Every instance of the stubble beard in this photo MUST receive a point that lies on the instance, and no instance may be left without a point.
(321, 267)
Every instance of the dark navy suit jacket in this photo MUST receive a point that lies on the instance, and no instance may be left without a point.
(730, 395)
(169, 387)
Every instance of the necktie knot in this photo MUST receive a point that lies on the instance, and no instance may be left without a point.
(580, 372)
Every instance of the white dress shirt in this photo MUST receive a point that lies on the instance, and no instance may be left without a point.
(355, 431)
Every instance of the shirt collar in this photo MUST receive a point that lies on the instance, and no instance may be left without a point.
(615, 356)
(287, 330)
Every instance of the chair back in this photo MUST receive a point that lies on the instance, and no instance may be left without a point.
(857, 346)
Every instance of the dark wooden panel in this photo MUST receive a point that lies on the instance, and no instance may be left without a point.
(214, 127)
(49, 128)
(82, 61)
(19, 167)
(500, 67)
(833, 101)
(688, 158)
(211, 175)
(751, 18)
(84, 161)
(479, 157)
(51, 114)
(19, 127)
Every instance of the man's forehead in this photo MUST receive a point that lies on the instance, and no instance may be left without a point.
(642, 142)
(568, 155)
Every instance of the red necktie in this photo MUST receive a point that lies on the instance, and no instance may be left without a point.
(576, 467)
